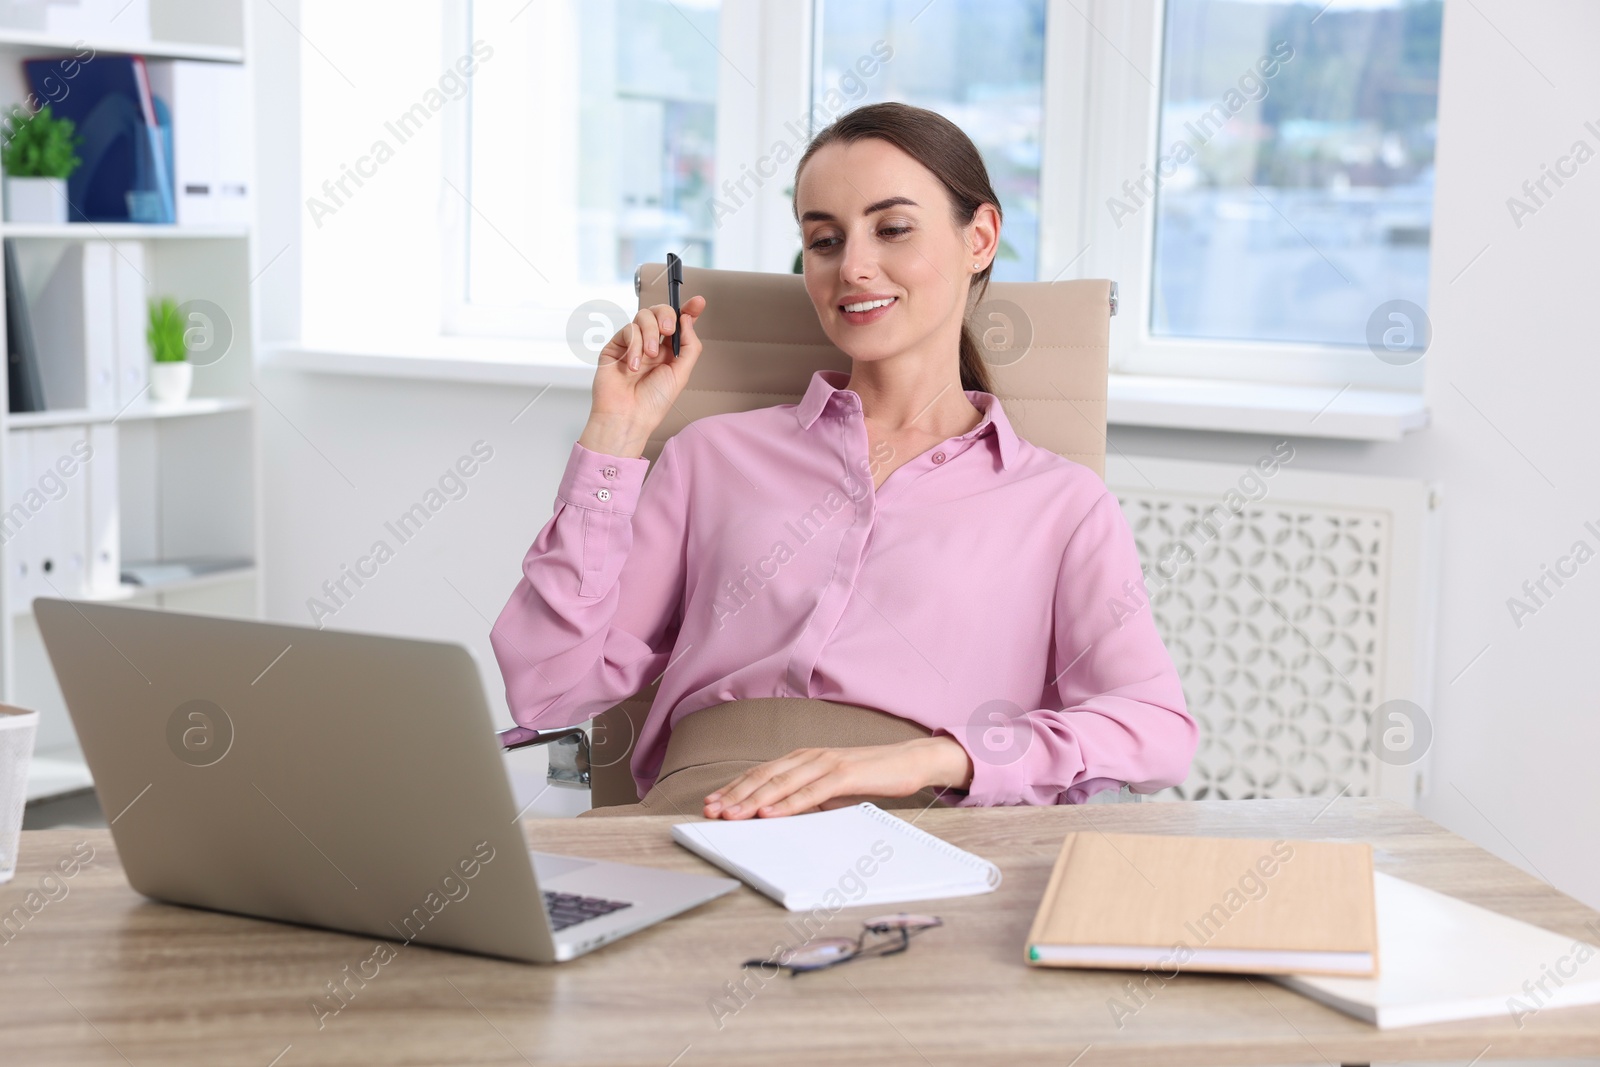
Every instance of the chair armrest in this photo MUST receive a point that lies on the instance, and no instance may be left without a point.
(569, 752)
(522, 737)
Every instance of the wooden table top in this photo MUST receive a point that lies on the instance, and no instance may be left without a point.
(100, 975)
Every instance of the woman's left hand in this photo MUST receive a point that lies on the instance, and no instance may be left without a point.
(816, 779)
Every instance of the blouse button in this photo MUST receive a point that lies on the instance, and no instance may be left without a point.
(603, 494)
(938, 457)
(609, 472)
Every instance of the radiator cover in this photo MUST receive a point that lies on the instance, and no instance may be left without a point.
(1294, 605)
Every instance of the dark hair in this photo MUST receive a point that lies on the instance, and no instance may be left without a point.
(941, 146)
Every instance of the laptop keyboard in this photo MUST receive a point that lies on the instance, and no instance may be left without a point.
(570, 909)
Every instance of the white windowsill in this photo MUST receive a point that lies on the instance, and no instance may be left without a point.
(1134, 399)
(477, 360)
(1265, 408)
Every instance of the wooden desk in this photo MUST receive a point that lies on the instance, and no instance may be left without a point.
(103, 976)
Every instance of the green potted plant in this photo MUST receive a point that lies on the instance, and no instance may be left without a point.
(171, 373)
(39, 153)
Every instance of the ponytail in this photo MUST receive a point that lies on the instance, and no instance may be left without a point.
(974, 368)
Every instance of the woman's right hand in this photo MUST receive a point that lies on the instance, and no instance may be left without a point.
(638, 380)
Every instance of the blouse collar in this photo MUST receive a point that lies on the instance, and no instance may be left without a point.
(827, 386)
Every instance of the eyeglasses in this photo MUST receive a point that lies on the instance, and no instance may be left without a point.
(896, 930)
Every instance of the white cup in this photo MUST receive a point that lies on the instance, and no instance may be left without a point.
(17, 729)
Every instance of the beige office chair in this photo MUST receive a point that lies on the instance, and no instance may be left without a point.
(1046, 344)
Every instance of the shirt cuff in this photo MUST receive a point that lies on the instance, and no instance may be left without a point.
(1005, 764)
(600, 482)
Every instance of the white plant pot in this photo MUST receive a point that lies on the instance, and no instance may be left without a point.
(36, 200)
(170, 382)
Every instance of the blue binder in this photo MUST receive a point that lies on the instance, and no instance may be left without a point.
(126, 174)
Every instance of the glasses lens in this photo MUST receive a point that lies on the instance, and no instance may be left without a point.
(820, 953)
(885, 924)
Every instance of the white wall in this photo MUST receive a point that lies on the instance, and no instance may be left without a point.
(345, 456)
(1513, 386)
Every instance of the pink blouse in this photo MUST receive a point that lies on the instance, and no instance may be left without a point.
(989, 590)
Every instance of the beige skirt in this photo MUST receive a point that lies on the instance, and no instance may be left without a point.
(711, 747)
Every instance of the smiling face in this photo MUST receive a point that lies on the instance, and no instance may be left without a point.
(887, 265)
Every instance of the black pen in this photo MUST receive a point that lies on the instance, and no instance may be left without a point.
(674, 283)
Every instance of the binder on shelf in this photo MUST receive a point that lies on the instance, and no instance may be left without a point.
(22, 355)
(104, 526)
(124, 177)
(131, 355)
(61, 545)
(40, 500)
(61, 527)
(234, 146)
(150, 198)
(16, 524)
(191, 92)
(72, 329)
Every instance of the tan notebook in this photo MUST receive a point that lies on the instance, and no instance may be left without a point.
(1171, 903)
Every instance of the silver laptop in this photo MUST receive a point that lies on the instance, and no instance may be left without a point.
(339, 780)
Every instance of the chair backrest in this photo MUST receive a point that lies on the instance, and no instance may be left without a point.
(1046, 344)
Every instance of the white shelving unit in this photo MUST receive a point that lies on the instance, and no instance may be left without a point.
(135, 412)
(188, 474)
(44, 44)
(119, 231)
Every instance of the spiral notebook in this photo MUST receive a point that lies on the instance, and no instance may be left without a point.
(840, 858)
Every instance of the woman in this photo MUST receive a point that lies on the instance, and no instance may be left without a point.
(879, 592)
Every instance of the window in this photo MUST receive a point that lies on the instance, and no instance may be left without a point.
(980, 63)
(1308, 199)
(651, 102)
(1256, 175)
(590, 147)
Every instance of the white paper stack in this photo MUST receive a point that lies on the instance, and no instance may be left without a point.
(1441, 959)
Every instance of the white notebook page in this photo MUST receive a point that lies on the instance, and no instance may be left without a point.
(840, 858)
